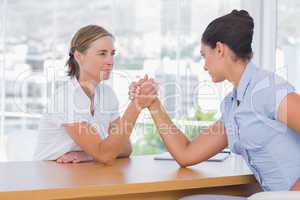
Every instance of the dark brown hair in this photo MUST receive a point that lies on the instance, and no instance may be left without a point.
(235, 30)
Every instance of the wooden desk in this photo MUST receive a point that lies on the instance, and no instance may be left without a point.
(139, 177)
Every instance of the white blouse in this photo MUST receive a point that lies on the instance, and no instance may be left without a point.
(72, 105)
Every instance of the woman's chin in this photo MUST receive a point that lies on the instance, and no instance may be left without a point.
(218, 80)
(104, 76)
(213, 79)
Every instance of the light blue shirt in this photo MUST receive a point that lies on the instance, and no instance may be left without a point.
(270, 148)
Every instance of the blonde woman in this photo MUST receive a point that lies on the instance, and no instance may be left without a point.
(83, 122)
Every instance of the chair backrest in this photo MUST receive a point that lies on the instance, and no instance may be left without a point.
(287, 195)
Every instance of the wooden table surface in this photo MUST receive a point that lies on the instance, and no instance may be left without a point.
(139, 177)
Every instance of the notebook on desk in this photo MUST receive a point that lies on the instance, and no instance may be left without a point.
(216, 158)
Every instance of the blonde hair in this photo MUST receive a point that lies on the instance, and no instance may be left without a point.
(80, 42)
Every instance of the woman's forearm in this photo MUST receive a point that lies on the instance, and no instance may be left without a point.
(119, 133)
(209, 142)
(296, 186)
(173, 138)
(126, 151)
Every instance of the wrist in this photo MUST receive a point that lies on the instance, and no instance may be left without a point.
(155, 104)
(137, 108)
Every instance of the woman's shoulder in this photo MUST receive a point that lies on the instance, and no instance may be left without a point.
(267, 90)
(63, 90)
(61, 96)
(106, 97)
(266, 85)
(268, 79)
(105, 90)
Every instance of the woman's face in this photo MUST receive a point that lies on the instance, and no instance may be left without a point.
(97, 61)
(213, 61)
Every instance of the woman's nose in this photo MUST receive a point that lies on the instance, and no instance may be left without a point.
(110, 60)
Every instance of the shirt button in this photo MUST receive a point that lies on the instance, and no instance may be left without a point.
(251, 162)
(264, 186)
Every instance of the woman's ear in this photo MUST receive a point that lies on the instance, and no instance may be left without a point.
(78, 57)
(220, 48)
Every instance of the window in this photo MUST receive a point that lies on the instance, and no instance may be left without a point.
(159, 37)
(288, 50)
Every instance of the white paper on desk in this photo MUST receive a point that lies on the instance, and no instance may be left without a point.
(216, 158)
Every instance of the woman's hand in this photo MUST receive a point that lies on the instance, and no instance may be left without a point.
(143, 92)
(296, 186)
(135, 87)
(74, 157)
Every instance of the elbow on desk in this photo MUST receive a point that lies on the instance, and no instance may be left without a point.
(108, 156)
(182, 164)
(126, 152)
(105, 156)
(184, 161)
(107, 153)
(106, 159)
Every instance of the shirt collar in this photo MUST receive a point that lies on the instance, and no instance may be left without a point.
(76, 85)
(244, 82)
(78, 91)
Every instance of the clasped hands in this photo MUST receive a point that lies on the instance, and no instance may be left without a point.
(143, 92)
